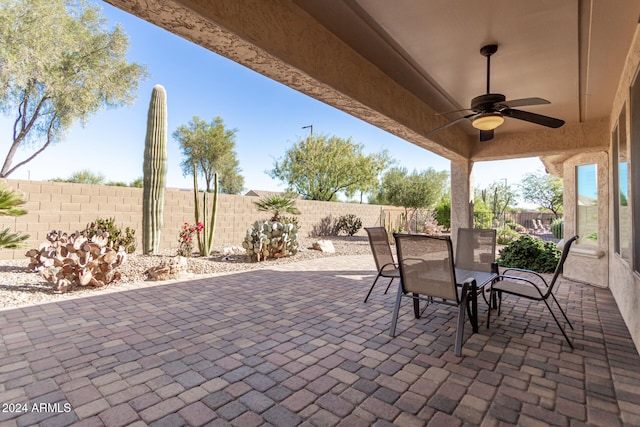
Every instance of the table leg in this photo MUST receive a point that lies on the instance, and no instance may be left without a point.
(416, 306)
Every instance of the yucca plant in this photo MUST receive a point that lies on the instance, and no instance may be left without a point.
(10, 200)
(278, 205)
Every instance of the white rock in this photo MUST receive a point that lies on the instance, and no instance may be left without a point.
(233, 250)
(324, 246)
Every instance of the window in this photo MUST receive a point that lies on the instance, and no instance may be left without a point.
(587, 204)
(634, 174)
(622, 210)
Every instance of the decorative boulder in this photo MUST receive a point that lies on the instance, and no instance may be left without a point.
(324, 246)
(233, 250)
(175, 268)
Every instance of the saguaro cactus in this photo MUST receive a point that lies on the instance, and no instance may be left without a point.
(155, 170)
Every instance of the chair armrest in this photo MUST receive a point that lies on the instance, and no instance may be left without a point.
(522, 270)
(522, 279)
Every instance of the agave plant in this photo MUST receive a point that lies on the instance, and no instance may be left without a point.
(278, 205)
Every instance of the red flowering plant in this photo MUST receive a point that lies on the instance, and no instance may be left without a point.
(186, 238)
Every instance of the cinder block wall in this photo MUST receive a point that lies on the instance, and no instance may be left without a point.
(70, 207)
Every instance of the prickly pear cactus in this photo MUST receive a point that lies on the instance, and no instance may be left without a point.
(270, 240)
(155, 170)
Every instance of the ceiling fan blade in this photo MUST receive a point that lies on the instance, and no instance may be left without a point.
(486, 135)
(454, 111)
(524, 102)
(533, 118)
(453, 122)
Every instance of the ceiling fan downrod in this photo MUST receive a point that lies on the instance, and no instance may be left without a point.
(487, 51)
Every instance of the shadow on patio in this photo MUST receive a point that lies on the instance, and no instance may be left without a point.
(296, 345)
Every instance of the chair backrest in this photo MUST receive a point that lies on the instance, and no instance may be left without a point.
(379, 241)
(475, 249)
(426, 265)
(563, 257)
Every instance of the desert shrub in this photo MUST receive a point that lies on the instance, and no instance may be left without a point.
(270, 239)
(482, 219)
(556, 227)
(506, 235)
(185, 238)
(117, 237)
(443, 214)
(530, 253)
(350, 224)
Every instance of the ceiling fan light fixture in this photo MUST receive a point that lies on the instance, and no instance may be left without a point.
(488, 121)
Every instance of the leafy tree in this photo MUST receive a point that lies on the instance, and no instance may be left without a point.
(418, 190)
(545, 190)
(84, 176)
(211, 148)
(277, 205)
(137, 183)
(321, 167)
(492, 202)
(59, 63)
(10, 200)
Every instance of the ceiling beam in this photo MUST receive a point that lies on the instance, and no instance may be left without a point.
(572, 138)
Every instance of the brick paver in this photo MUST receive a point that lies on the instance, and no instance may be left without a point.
(295, 345)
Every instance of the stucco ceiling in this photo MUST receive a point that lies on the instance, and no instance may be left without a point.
(568, 52)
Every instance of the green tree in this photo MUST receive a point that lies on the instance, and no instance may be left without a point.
(137, 183)
(494, 200)
(211, 148)
(10, 202)
(84, 176)
(321, 167)
(418, 190)
(59, 64)
(544, 190)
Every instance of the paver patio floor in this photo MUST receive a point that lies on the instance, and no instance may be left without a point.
(295, 345)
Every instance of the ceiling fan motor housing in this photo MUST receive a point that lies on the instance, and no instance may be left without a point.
(486, 103)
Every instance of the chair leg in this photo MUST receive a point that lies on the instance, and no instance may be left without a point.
(416, 305)
(396, 309)
(371, 288)
(389, 285)
(461, 314)
(558, 323)
(562, 311)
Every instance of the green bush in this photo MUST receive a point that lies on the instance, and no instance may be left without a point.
(506, 235)
(117, 237)
(530, 253)
(350, 224)
(482, 219)
(556, 227)
(443, 214)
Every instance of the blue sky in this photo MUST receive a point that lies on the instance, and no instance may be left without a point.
(267, 115)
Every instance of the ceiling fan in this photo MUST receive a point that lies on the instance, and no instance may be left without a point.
(490, 109)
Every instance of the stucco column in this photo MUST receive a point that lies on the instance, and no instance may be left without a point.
(461, 196)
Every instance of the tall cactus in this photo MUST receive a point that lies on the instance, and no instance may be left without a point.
(155, 170)
(205, 241)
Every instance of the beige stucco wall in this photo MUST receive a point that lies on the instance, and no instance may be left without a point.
(623, 281)
(70, 207)
(587, 263)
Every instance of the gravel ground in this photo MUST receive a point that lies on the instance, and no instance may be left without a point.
(20, 287)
